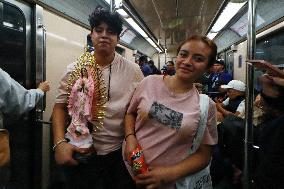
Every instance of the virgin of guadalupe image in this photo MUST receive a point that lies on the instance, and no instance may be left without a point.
(79, 108)
(86, 101)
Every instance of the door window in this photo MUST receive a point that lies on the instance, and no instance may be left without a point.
(13, 43)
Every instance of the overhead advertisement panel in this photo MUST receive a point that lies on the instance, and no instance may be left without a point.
(127, 35)
(241, 26)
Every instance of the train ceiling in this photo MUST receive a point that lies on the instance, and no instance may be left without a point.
(172, 21)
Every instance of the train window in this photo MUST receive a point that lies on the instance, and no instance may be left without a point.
(271, 49)
(12, 46)
(12, 18)
(120, 51)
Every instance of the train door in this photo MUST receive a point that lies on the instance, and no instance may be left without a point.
(18, 57)
(230, 62)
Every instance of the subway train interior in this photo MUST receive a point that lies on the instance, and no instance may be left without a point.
(39, 38)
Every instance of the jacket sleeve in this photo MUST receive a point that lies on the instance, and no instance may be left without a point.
(14, 98)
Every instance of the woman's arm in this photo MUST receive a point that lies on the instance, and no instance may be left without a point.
(130, 138)
(192, 164)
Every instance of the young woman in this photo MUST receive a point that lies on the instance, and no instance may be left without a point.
(163, 117)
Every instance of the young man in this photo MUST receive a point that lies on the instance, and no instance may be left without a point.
(171, 68)
(105, 167)
(145, 68)
(235, 103)
(218, 77)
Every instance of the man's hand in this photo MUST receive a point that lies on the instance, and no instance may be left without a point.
(44, 86)
(64, 154)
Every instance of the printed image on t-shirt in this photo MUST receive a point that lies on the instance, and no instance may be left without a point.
(165, 115)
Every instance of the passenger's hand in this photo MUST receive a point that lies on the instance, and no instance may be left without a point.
(64, 154)
(154, 178)
(218, 106)
(131, 144)
(44, 86)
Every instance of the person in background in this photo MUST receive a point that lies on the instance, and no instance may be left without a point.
(218, 78)
(104, 168)
(14, 100)
(171, 68)
(235, 103)
(270, 166)
(145, 68)
(163, 117)
(205, 79)
(164, 70)
(155, 70)
(199, 87)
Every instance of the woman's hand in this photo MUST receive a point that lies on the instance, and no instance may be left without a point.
(131, 144)
(155, 177)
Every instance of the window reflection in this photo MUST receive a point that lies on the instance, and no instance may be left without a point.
(12, 43)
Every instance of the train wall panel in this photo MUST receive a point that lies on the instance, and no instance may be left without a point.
(65, 41)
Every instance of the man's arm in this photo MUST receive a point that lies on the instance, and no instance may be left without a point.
(221, 109)
(59, 120)
(14, 98)
(63, 150)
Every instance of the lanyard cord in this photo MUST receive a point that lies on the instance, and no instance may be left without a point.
(108, 90)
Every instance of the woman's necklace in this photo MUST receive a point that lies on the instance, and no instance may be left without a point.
(174, 89)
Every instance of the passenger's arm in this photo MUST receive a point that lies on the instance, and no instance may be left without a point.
(221, 109)
(64, 151)
(14, 98)
(192, 164)
(59, 121)
(130, 138)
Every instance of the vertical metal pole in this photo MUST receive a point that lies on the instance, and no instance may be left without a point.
(166, 50)
(112, 6)
(249, 95)
(159, 63)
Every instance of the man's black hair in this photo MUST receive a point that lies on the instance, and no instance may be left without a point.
(221, 62)
(113, 20)
(170, 62)
(143, 58)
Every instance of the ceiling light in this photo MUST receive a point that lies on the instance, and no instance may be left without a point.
(151, 42)
(228, 13)
(122, 13)
(211, 35)
(136, 27)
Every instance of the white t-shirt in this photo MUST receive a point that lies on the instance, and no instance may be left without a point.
(124, 77)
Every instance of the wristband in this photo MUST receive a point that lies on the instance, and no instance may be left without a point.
(129, 135)
(58, 143)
